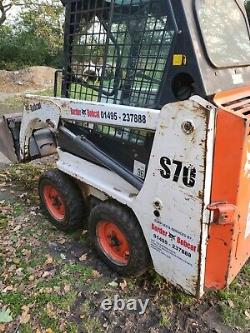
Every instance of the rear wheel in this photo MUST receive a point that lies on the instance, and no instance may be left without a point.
(118, 239)
(62, 200)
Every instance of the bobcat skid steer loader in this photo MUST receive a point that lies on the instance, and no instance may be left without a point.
(152, 131)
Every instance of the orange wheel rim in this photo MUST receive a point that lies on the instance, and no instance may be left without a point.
(54, 202)
(113, 242)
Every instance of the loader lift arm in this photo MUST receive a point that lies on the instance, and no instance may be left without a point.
(48, 122)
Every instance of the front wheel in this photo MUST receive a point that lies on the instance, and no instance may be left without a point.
(118, 239)
(62, 200)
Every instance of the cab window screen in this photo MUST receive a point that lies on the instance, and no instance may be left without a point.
(118, 50)
(225, 32)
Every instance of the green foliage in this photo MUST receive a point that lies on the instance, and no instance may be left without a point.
(36, 38)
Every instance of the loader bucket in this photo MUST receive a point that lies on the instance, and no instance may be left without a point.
(9, 136)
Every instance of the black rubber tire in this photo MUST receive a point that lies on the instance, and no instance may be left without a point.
(75, 206)
(124, 219)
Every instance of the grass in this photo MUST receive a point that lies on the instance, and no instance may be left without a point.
(57, 300)
(15, 103)
(182, 299)
(166, 313)
(235, 301)
(71, 328)
(97, 285)
(57, 296)
(26, 177)
(15, 300)
(48, 293)
(26, 328)
(90, 324)
(18, 209)
(3, 221)
(51, 296)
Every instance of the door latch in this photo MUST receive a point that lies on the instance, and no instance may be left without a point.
(223, 212)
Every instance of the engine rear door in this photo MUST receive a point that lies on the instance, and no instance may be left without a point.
(172, 205)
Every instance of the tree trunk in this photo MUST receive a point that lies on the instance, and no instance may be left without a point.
(3, 11)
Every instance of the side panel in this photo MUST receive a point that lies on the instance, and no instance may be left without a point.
(171, 205)
(241, 249)
(229, 241)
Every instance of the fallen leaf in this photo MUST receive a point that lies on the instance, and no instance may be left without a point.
(123, 284)
(83, 257)
(47, 290)
(25, 317)
(26, 253)
(12, 268)
(50, 310)
(46, 274)
(247, 313)
(18, 227)
(62, 241)
(96, 274)
(62, 326)
(25, 308)
(49, 260)
(113, 284)
(5, 316)
(8, 288)
(67, 288)
(231, 303)
(19, 272)
(16, 261)
(2, 328)
(49, 330)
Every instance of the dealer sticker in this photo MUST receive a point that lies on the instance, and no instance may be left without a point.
(139, 169)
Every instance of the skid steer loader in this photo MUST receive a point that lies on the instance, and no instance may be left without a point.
(152, 131)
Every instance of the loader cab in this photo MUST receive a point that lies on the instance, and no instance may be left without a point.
(147, 53)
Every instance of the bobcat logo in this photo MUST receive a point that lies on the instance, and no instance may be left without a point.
(171, 236)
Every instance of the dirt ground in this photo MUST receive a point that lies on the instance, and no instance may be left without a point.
(14, 85)
(54, 282)
(32, 78)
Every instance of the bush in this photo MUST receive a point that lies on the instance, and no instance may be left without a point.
(23, 48)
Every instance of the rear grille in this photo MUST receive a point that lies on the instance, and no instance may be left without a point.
(237, 101)
(240, 106)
